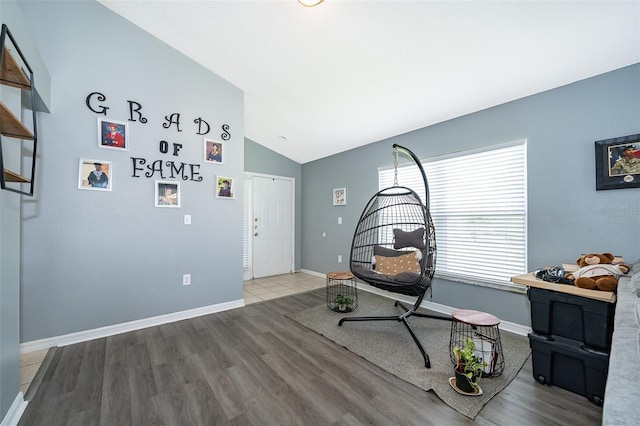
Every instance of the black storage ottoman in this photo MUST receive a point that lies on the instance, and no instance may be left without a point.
(569, 365)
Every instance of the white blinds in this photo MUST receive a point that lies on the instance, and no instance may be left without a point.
(478, 205)
(246, 218)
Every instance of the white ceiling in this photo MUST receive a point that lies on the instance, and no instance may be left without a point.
(347, 73)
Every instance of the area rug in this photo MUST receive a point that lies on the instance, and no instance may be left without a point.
(389, 345)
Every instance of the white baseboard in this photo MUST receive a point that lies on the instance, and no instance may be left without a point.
(511, 327)
(314, 273)
(15, 411)
(96, 333)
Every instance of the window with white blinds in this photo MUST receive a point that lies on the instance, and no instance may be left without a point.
(479, 208)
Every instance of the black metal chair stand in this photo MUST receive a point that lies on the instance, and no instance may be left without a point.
(404, 318)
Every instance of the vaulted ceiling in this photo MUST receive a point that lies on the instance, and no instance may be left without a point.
(322, 80)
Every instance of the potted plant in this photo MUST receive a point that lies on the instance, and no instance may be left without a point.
(468, 368)
(343, 303)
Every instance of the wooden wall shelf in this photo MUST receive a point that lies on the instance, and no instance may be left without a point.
(10, 176)
(11, 126)
(11, 74)
(14, 73)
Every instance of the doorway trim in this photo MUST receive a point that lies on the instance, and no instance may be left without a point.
(247, 272)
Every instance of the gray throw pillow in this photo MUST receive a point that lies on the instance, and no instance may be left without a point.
(414, 238)
(387, 252)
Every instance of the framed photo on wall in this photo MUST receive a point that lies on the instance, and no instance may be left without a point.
(340, 197)
(213, 151)
(618, 163)
(94, 175)
(113, 134)
(224, 187)
(167, 194)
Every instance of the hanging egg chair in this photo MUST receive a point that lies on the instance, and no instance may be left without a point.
(394, 248)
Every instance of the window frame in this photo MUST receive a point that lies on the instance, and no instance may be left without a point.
(385, 180)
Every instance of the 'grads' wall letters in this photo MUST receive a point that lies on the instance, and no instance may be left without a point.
(170, 169)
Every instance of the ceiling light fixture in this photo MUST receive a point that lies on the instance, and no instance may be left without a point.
(309, 3)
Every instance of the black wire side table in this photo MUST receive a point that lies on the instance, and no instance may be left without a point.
(342, 292)
(482, 328)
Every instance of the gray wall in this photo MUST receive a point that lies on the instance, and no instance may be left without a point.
(93, 259)
(9, 274)
(10, 213)
(566, 215)
(258, 159)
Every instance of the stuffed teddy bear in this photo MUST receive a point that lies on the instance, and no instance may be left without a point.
(598, 271)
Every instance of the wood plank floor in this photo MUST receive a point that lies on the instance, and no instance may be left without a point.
(253, 366)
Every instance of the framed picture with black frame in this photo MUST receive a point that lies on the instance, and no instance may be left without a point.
(618, 163)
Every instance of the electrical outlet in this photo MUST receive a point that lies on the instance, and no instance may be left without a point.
(339, 258)
(186, 279)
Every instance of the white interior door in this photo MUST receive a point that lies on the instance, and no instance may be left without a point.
(272, 226)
